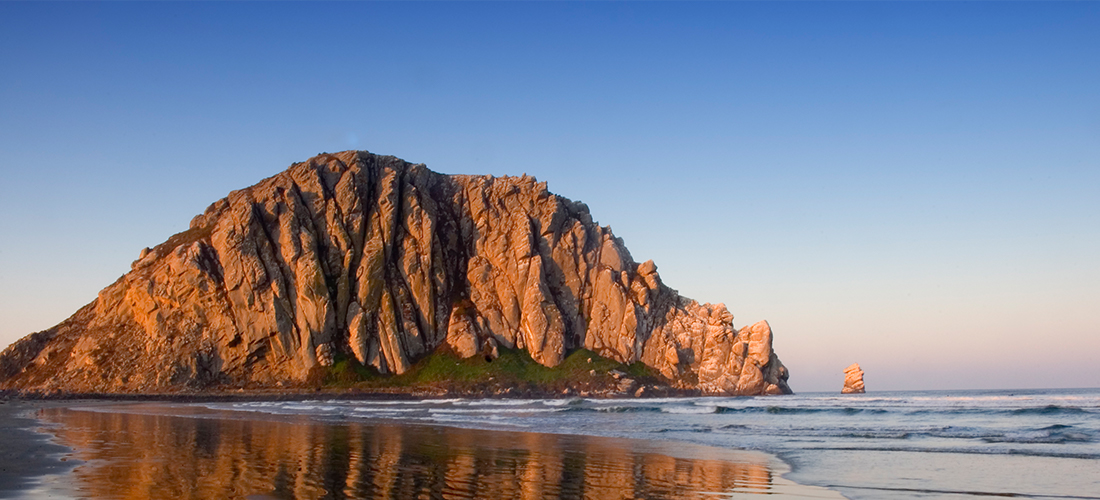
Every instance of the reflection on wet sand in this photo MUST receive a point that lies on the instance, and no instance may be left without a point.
(136, 455)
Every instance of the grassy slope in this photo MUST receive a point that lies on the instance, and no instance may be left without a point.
(514, 369)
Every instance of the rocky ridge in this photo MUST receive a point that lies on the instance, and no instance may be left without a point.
(359, 256)
(853, 380)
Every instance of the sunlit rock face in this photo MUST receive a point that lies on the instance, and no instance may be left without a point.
(853, 380)
(366, 256)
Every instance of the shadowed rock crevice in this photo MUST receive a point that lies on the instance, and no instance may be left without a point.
(354, 255)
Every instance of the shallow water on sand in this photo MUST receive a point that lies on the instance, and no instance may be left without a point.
(29, 460)
(926, 444)
(956, 445)
(150, 450)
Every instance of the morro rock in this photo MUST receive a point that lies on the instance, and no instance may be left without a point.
(365, 256)
(853, 380)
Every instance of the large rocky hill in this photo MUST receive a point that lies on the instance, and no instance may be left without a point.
(359, 256)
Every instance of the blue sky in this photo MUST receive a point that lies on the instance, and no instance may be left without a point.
(913, 186)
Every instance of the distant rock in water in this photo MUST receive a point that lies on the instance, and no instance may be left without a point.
(354, 255)
(853, 380)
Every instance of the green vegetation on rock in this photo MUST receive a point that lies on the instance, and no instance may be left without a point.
(514, 368)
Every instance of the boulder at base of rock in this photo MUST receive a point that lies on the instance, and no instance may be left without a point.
(853, 380)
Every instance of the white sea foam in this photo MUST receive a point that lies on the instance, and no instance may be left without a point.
(689, 409)
(490, 411)
(385, 410)
(561, 402)
(496, 402)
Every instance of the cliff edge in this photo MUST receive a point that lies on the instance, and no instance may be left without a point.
(359, 256)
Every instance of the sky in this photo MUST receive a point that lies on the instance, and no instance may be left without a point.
(914, 186)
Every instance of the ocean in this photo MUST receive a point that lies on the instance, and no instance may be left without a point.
(922, 444)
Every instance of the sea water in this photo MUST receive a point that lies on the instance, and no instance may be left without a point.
(926, 444)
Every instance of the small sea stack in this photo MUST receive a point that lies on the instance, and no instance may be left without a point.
(853, 380)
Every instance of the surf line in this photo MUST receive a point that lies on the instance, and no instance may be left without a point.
(963, 492)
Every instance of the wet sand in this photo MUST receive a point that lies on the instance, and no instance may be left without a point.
(28, 458)
(165, 450)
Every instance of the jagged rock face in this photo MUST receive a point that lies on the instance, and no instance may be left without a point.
(853, 380)
(385, 261)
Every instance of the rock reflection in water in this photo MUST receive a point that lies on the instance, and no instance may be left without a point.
(131, 455)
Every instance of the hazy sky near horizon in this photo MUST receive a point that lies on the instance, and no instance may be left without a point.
(911, 186)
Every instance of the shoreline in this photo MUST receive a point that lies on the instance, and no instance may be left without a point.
(293, 393)
(338, 394)
(751, 471)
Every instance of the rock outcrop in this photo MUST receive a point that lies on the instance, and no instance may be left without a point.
(365, 256)
(853, 380)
